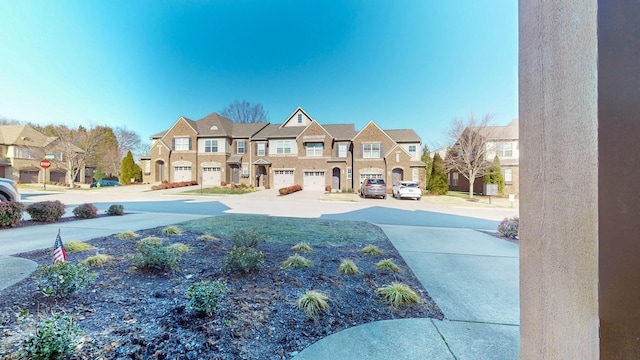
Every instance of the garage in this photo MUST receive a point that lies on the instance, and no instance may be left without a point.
(282, 178)
(29, 176)
(58, 177)
(211, 176)
(181, 173)
(369, 176)
(313, 180)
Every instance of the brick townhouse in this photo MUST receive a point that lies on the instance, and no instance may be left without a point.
(300, 151)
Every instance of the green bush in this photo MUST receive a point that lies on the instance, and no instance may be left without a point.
(509, 227)
(242, 258)
(438, 180)
(85, 211)
(115, 209)
(46, 211)
(312, 302)
(56, 338)
(62, 279)
(348, 267)
(247, 238)
(10, 213)
(154, 253)
(296, 262)
(204, 296)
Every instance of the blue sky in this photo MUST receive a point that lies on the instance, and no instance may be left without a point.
(143, 64)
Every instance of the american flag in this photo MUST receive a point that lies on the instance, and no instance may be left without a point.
(59, 254)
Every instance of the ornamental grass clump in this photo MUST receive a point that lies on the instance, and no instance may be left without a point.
(46, 211)
(97, 260)
(62, 279)
(348, 267)
(171, 230)
(127, 235)
(509, 227)
(398, 294)
(207, 237)
(205, 296)
(302, 247)
(180, 247)
(312, 303)
(296, 262)
(76, 246)
(387, 265)
(371, 250)
(85, 211)
(55, 338)
(154, 253)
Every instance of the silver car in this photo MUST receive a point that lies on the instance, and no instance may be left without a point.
(406, 189)
(373, 187)
(9, 190)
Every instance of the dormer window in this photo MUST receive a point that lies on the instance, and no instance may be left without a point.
(299, 118)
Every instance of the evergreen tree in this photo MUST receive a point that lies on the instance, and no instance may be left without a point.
(428, 161)
(129, 169)
(438, 182)
(494, 175)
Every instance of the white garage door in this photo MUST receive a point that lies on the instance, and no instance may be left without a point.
(313, 180)
(282, 178)
(211, 176)
(181, 173)
(369, 176)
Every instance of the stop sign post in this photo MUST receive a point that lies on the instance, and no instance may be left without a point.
(45, 164)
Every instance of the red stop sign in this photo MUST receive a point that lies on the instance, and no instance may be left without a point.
(45, 163)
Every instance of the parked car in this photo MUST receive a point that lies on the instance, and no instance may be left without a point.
(103, 183)
(9, 190)
(406, 189)
(373, 187)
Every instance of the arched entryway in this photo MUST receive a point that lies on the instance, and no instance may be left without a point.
(261, 176)
(160, 171)
(335, 179)
(397, 175)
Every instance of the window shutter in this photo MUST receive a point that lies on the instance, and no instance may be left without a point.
(189, 143)
(381, 151)
(173, 144)
(362, 151)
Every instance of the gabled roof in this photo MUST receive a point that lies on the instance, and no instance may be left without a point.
(341, 132)
(295, 112)
(396, 146)
(506, 132)
(403, 135)
(371, 122)
(23, 135)
(215, 125)
(274, 131)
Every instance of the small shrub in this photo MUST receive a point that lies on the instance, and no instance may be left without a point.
(388, 265)
(85, 211)
(398, 294)
(312, 302)
(248, 238)
(115, 210)
(171, 230)
(289, 189)
(296, 262)
(77, 246)
(204, 296)
(303, 247)
(46, 211)
(56, 338)
(62, 279)
(327, 188)
(10, 213)
(246, 259)
(348, 267)
(371, 250)
(207, 237)
(127, 235)
(153, 253)
(509, 227)
(181, 248)
(96, 260)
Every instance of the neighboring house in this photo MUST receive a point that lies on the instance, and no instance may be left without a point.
(503, 142)
(22, 148)
(300, 151)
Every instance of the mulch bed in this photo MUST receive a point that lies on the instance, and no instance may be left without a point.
(127, 313)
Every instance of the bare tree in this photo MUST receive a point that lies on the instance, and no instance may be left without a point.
(468, 154)
(75, 147)
(245, 112)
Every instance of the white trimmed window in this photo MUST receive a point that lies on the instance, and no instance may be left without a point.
(147, 166)
(415, 175)
(211, 146)
(283, 147)
(314, 149)
(508, 176)
(299, 118)
(504, 150)
(412, 149)
(342, 150)
(371, 151)
(245, 169)
(349, 172)
(454, 180)
(261, 149)
(240, 146)
(181, 143)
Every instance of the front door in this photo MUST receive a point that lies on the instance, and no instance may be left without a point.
(335, 181)
(396, 176)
